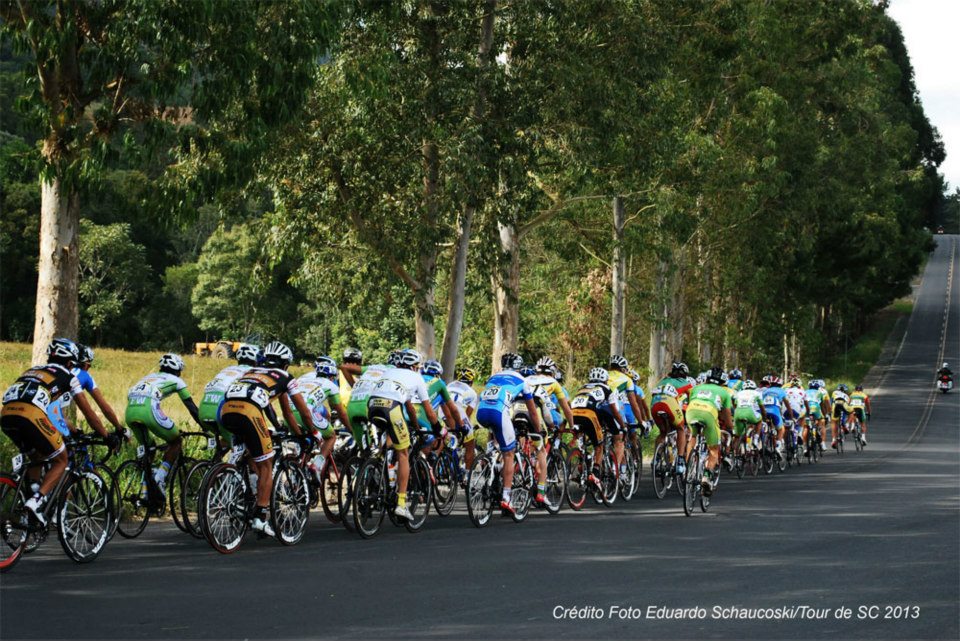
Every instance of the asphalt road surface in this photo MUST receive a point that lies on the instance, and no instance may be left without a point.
(880, 528)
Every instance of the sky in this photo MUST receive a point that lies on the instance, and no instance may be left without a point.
(931, 29)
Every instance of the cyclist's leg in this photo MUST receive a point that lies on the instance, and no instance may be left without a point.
(163, 427)
(36, 437)
(247, 424)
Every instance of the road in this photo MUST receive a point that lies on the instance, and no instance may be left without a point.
(878, 528)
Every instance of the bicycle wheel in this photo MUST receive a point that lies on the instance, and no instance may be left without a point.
(609, 479)
(13, 523)
(691, 483)
(190, 497)
(369, 497)
(83, 516)
(576, 479)
(628, 481)
(113, 489)
(556, 482)
(738, 461)
(704, 499)
(134, 509)
(330, 484)
(345, 491)
(660, 471)
(524, 484)
(290, 502)
(480, 494)
(445, 489)
(223, 508)
(857, 435)
(815, 446)
(175, 484)
(419, 491)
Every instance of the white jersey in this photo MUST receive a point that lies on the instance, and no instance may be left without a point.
(463, 396)
(365, 384)
(401, 385)
(750, 398)
(796, 398)
(316, 390)
(158, 386)
(222, 381)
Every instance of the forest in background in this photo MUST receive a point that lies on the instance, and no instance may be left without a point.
(737, 182)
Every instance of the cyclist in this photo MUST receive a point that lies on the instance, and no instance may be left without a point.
(818, 400)
(709, 409)
(432, 372)
(547, 394)
(209, 411)
(775, 405)
(860, 404)
(840, 400)
(363, 378)
(465, 399)
(494, 413)
(668, 408)
(246, 410)
(628, 399)
(797, 407)
(322, 394)
(26, 420)
(391, 403)
(748, 413)
(595, 411)
(144, 415)
(735, 380)
(82, 372)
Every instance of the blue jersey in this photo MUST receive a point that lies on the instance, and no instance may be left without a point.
(772, 398)
(86, 381)
(502, 389)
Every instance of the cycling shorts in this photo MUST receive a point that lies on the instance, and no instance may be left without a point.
(708, 420)
(773, 414)
(840, 411)
(744, 418)
(357, 413)
(590, 423)
(795, 413)
(31, 430)
(246, 422)
(209, 413)
(815, 412)
(145, 417)
(860, 414)
(387, 414)
(498, 421)
(671, 409)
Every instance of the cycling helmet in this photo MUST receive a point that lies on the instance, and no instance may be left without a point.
(511, 361)
(353, 355)
(859, 388)
(325, 366)
(276, 354)
(598, 375)
(618, 361)
(796, 382)
(634, 375)
(749, 385)
(432, 368)
(393, 358)
(527, 370)
(86, 354)
(679, 370)
(248, 354)
(776, 381)
(843, 388)
(814, 384)
(466, 375)
(546, 365)
(946, 366)
(736, 374)
(63, 351)
(716, 375)
(409, 358)
(171, 363)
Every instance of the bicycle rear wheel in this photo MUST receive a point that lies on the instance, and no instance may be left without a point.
(691, 483)
(290, 502)
(609, 480)
(556, 482)
(134, 509)
(660, 471)
(857, 435)
(190, 497)
(83, 516)
(445, 490)
(175, 484)
(223, 508)
(369, 497)
(419, 491)
(628, 481)
(13, 523)
(331, 478)
(480, 494)
(348, 475)
(524, 486)
(576, 479)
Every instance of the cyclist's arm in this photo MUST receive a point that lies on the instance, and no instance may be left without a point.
(645, 409)
(342, 413)
(350, 371)
(763, 412)
(533, 413)
(272, 417)
(866, 401)
(192, 408)
(90, 415)
(104, 406)
(725, 419)
(452, 414)
(301, 406)
(567, 412)
(617, 416)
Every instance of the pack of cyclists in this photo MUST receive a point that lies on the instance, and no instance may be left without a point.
(408, 395)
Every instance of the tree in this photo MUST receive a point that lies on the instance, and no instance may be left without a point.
(208, 71)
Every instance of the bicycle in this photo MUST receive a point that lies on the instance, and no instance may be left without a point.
(78, 507)
(485, 487)
(812, 444)
(555, 481)
(857, 433)
(663, 466)
(86, 460)
(693, 489)
(192, 482)
(633, 461)
(792, 441)
(746, 459)
(228, 498)
(375, 493)
(769, 454)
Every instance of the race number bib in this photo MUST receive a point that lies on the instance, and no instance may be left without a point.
(580, 402)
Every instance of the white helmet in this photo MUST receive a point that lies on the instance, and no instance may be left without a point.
(63, 350)
(249, 354)
(749, 385)
(946, 366)
(171, 363)
(409, 358)
(276, 354)
(598, 375)
(546, 365)
(325, 366)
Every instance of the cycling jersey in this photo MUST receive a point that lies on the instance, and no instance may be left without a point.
(387, 400)
(317, 392)
(858, 404)
(244, 404)
(464, 397)
(439, 394)
(622, 385)
(210, 404)
(841, 404)
(682, 385)
(591, 410)
(735, 384)
(144, 415)
(814, 399)
(547, 391)
(85, 378)
(795, 401)
(27, 403)
(496, 399)
(773, 398)
(665, 398)
(706, 403)
(747, 413)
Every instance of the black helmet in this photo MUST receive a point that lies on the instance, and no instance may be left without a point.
(511, 361)
(716, 375)
(353, 355)
(63, 351)
(679, 370)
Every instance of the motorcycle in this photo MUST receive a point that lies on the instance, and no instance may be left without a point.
(945, 383)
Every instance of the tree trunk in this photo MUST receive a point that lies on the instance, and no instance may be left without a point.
(617, 318)
(458, 275)
(57, 312)
(506, 301)
(658, 328)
